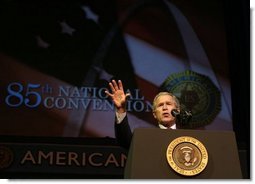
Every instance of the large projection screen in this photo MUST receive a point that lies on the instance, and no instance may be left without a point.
(57, 57)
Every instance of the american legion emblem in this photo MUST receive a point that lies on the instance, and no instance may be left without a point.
(197, 94)
(6, 157)
(187, 156)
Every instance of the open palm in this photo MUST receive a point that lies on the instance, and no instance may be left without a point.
(118, 95)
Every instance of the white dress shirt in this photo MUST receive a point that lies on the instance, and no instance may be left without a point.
(163, 127)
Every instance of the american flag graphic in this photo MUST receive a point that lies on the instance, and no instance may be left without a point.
(88, 43)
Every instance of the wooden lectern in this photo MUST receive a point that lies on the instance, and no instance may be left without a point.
(147, 154)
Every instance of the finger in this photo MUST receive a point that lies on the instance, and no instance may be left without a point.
(120, 85)
(128, 94)
(115, 85)
(108, 93)
(111, 86)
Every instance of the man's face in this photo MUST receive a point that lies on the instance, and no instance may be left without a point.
(164, 105)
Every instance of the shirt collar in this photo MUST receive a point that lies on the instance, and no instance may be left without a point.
(163, 127)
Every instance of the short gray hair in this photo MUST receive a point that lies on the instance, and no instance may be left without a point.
(166, 93)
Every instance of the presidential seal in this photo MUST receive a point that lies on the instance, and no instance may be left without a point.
(187, 156)
(197, 94)
(6, 157)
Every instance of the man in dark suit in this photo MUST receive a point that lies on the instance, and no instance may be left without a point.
(163, 104)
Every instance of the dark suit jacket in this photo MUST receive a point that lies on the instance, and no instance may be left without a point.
(123, 133)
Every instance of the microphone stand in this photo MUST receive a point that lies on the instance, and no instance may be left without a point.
(183, 120)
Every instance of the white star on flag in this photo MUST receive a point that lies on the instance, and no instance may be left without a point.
(66, 28)
(41, 43)
(90, 14)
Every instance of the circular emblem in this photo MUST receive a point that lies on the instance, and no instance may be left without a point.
(197, 94)
(6, 157)
(187, 156)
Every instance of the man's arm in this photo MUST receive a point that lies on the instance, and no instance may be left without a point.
(123, 132)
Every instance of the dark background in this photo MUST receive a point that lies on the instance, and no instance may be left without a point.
(238, 35)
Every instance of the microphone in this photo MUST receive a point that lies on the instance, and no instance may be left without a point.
(175, 113)
(182, 118)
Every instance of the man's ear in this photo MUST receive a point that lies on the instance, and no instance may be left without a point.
(154, 114)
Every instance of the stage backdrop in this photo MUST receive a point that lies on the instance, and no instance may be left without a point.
(57, 57)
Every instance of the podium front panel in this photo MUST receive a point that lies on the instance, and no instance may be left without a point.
(147, 154)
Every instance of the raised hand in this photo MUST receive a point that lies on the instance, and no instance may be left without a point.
(118, 95)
